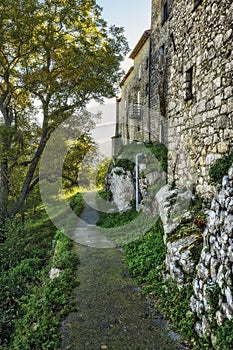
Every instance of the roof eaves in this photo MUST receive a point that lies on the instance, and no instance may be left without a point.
(126, 75)
(140, 43)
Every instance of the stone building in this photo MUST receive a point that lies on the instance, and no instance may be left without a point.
(132, 107)
(197, 81)
(182, 82)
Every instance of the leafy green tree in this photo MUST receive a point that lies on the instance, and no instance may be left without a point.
(102, 172)
(82, 153)
(55, 56)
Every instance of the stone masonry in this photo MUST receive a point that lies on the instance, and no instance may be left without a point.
(213, 286)
(182, 80)
(199, 96)
(132, 106)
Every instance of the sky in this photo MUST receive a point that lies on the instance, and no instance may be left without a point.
(134, 17)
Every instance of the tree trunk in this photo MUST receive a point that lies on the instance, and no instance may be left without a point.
(30, 175)
(4, 170)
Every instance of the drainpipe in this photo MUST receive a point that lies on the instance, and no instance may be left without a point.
(149, 89)
(137, 180)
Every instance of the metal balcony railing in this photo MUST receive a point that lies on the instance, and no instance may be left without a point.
(135, 111)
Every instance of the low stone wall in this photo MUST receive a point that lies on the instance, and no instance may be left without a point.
(213, 285)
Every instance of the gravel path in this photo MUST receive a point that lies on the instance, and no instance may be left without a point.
(112, 314)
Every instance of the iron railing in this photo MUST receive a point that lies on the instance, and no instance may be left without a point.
(135, 111)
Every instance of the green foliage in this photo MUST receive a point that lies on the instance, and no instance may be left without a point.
(64, 256)
(220, 168)
(146, 262)
(32, 304)
(17, 282)
(106, 195)
(150, 151)
(214, 293)
(111, 220)
(102, 171)
(48, 303)
(82, 148)
(159, 150)
(126, 164)
(225, 336)
(61, 54)
(146, 255)
(77, 203)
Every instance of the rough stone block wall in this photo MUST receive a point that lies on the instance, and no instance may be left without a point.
(191, 79)
(213, 291)
(135, 127)
(200, 128)
(159, 73)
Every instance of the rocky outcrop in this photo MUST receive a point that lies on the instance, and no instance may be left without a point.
(182, 241)
(121, 184)
(213, 286)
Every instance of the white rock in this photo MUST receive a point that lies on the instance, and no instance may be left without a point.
(205, 326)
(228, 224)
(228, 295)
(54, 272)
(219, 318)
(230, 173)
(198, 329)
(227, 311)
(224, 237)
(122, 188)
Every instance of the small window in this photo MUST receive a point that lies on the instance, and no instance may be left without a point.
(162, 50)
(147, 63)
(196, 3)
(165, 12)
(147, 88)
(189, 84)
(140, 73)
(139, 97)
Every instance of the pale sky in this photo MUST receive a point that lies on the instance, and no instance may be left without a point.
(133, 15)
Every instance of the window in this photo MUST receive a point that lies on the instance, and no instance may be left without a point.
(147, 63)
(140, 72)
(189, 84)
(162, 50)
(147, 88)
(139, 97)
(165, 12)
(196, 3)
(173, 41)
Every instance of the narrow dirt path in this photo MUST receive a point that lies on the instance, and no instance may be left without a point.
(112, 314)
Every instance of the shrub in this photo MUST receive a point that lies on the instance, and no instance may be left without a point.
(43, 309)
(146, 255)
(220, 168)
(159, 150)
(225, 336)
(110, 220)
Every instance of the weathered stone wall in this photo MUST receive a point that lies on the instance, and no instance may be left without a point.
(133, 104)
(160, 58)
(197, 129)
(213, 286)
(200, 126)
